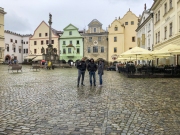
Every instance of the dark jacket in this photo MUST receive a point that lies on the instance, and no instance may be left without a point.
(101, 69)
(81, 65)
(92, 67)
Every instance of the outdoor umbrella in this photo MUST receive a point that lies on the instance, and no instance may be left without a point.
(169, 49)
(135, 52)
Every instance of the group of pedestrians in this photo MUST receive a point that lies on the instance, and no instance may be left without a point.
(92, 68)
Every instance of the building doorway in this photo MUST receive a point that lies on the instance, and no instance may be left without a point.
(71, 62)
(7, 59)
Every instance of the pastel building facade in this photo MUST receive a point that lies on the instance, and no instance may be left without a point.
(2, 13)
(145, 30)
(40, 39)
(16, 46)
(96, 41)
(71, 44)
(166, 26)
(122, 35)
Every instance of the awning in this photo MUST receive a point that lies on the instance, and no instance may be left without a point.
(29, 57)
(38, 58)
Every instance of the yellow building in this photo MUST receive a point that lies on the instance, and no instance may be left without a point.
(122, 35)
(166, 25)
(2, 45)
(40, 39)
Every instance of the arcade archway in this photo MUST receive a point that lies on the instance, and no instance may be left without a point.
(7, 58)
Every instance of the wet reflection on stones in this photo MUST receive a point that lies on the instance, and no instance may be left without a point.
(48, 102)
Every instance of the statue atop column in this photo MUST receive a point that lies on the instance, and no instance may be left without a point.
(50, 22)
(145, 6)
(50, 19)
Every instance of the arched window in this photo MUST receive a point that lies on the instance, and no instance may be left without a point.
(115, 28)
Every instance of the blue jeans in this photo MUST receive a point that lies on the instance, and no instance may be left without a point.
(92, 74)
(100, 79)
(81, 73)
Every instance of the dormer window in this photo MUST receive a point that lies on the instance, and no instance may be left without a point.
(94, 29)
(116, 28)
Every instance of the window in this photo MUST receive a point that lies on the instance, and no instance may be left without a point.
(47, 41)
(170, 29)
(94, 29)
(165, 32)
(95, 49)
(102, 49)
(78, 50)
(14, 49)
(64, 42)
(126, 23)
(7, 48)
(19, 50)
(90, 39)
(26, 42)
(39, 34)
(46, 34)
(99, 38)
(116, 28)
(170, 4)
(42, 42)
(70, 32)
(52, 41)
(69, 50)
(165, 8)
(133, 39)
(156, 18)
(115, 49)
(158, 36)
(15, 41)
(11, 40)
(89, 49)
(34, 42)
(149, 42)
(23, 42)
(132, 22)
(115, 39)
(149, 27)
(130, 48)
(70, 42)
(26, 50)
(158, 15)
(77, 42)
(179, 23)
(64, 51)
(34, 51)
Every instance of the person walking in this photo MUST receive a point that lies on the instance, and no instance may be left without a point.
(100, 71)
(81, 66)
(92, 68)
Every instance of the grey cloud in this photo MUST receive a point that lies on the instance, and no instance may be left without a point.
(25, 17)
(17, 24)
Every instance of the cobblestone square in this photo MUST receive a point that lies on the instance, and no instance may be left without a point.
(48, 102)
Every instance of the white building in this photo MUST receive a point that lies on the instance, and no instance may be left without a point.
(16, 46)
(145, 30)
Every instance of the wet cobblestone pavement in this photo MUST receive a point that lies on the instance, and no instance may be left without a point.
(49, 103)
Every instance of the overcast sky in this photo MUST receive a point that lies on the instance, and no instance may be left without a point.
(24, 16)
